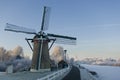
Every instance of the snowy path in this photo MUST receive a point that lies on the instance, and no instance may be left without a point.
(105, 72)
(74, 74)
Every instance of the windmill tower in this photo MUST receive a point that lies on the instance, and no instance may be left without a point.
(40, 48)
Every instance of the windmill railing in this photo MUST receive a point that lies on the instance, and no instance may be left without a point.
(58, 75)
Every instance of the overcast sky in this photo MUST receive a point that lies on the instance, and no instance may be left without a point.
(95, 23)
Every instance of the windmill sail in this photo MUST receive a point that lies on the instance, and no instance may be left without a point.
(63, 39)
(45, 19)
(14, 28)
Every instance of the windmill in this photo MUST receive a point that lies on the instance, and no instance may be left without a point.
(40, 48)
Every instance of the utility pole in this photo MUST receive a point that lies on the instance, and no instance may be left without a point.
(65, 55)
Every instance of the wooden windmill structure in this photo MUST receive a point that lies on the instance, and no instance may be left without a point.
(40, 48)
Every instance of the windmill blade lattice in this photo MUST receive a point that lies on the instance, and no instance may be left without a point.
(63, 39)
(45, 19)
(14, 28)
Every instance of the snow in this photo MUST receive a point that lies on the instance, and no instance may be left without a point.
(105, 72)
(26, 75)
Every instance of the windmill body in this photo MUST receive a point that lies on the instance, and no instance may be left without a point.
(40, 48)
(40, 59)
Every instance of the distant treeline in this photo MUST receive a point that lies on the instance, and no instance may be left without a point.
(97, 61)
(13, 57)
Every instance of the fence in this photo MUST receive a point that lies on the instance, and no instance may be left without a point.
(56, 75)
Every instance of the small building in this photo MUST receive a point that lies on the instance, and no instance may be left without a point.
(62, 64)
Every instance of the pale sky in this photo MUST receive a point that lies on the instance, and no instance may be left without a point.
(95, 23)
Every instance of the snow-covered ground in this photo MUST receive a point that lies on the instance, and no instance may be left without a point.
(2, 73)
(105, 72)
